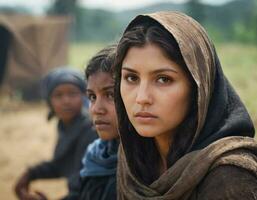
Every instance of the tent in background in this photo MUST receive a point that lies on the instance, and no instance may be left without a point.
(30, 47)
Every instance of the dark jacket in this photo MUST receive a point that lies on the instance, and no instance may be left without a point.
(97, 178)
(93, 188)
(71, 144)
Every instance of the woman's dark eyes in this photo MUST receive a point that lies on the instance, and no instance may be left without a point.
(159, 79)
(131, 78)
(164, 79)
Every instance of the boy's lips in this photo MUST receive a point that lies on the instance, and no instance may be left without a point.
(67, 110)
(101, 124)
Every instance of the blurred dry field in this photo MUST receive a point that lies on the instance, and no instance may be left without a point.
(27, 138)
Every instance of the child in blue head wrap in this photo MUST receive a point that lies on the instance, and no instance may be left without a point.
(63, 89)
(61, 77)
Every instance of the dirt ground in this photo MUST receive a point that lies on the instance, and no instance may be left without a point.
(26, 138)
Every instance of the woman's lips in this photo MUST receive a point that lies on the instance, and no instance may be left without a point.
(145, 117)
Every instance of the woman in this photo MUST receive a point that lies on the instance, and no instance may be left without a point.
(64, 92)
(185, 133)
(98, 176)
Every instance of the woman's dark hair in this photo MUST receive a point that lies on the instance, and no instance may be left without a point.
(102, 61)
(142, 154)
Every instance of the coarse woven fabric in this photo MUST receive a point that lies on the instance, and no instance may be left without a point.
(224, 131)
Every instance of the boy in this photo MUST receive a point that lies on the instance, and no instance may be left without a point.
(64, 92)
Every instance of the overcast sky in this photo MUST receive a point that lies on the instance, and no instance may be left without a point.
(116, 5)
(121, 5)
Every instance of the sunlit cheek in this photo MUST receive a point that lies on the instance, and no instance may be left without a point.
(123, 92)
(122, 89)
(126, 98)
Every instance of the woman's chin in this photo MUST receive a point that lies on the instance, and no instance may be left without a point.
(147, 133)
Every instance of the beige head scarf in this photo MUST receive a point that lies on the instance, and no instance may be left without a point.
(220, 114)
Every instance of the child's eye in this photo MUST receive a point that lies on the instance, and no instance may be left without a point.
(57, 95)
(73, 94)
(91, 97)
(164, 79)
(110, 95)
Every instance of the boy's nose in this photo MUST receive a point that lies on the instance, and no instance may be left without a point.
(98, 107)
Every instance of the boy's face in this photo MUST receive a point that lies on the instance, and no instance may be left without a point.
(100, 91)
(66, 100)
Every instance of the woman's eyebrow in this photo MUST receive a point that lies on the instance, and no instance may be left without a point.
(164, 70)
(168, 69)
(129, 69)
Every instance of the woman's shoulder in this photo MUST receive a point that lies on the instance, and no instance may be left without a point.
(228, 182)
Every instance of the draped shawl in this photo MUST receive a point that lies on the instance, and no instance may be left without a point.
(224, 131)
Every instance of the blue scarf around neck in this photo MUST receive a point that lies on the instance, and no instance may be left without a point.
(100, 158)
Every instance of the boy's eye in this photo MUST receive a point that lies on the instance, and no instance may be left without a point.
(110, 95)
(57, 95)
(91, 97)
(73, 94)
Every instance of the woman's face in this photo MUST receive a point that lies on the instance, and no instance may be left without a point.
(66, 100)
(155, 91)
(100, 91)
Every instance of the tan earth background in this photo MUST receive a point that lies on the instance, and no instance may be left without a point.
(26, 137)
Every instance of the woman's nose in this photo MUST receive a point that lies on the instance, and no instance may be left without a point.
(144, 94)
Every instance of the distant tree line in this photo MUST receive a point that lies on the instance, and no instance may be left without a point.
(233, 21)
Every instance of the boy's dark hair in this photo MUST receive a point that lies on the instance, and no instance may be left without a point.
(102, 61)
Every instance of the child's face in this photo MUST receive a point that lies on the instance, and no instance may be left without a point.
(100, 91)
(66, 100)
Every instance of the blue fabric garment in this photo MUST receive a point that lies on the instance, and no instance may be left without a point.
(100, 158)
(60, 76)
